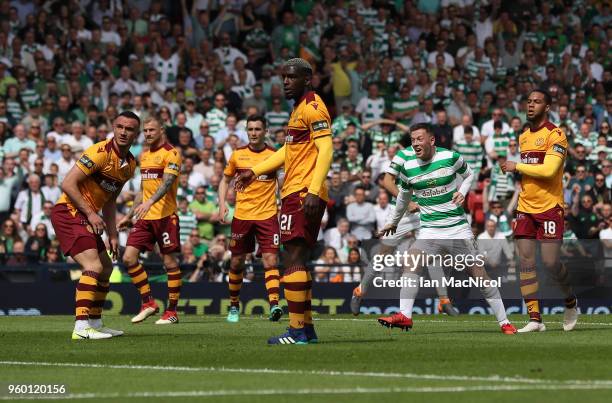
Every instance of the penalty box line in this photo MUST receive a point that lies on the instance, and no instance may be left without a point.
(321, 391)
(465, 378)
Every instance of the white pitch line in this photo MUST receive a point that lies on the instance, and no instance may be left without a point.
(448, 321)
(494, 378)
(321, 391)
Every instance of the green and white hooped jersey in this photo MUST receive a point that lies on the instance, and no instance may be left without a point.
(433, 184)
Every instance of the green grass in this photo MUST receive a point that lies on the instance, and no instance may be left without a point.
(463, 354)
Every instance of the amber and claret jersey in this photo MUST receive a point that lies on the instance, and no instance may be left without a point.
(258, 201)
(309, 121)
(106, 174)
(154, 163)
(541, 194)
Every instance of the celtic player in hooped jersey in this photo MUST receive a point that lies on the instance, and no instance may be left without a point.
(431, 174)
(407, 227)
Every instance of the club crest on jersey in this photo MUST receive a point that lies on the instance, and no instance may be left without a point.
(319, 125)
(539, 142)
(158, 160)
(86, 161)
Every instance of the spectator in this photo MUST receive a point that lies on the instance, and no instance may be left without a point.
(327, 261)
(382, 209)
(606, 237)
(13, 145)
(9, 236)
(205, 212)
(30, 201)
(216, 116)
(372, 106)
(361, 215)
(336, 236)
(67, 161)
(494, 247)
(37, 244)
(44, 218)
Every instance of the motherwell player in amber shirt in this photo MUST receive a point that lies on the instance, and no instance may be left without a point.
(91, 185)
(306, 157)
(255, 218)
(156, 221)
(539, 215)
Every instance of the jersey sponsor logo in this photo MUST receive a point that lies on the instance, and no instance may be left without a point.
(152, 173)
(319, 125)
(533, 157)
(433, 192)
(86, 161)
(297, 135)
(559, 148)
(109, 186)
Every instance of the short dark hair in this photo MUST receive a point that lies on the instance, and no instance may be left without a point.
(130, 115)
(468, 129)
(421, 126)
(547, 97)
(256, 118)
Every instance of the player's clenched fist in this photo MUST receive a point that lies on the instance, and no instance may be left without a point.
(97, 223)
(508, 166)
(243, 180)
(388, 229)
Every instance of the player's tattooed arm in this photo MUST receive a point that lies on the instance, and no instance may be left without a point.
(126, 221)
(167, 181)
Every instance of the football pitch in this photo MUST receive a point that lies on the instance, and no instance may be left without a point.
(204, 358)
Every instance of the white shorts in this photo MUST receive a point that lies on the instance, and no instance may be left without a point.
(446, 246)
(409, 223)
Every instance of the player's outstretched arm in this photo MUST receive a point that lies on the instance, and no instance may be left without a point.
(401, 206)
(270, 164)
(322, 165)
(70, 186)
(167, 180)
(551, 165)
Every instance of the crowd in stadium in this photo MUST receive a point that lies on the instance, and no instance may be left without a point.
(68, 68)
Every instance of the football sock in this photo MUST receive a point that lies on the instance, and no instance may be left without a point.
(308, 304)
(95, 311)
(235, 283)
(141, 281)
(494, 300)
(529, 290)
(561, 276)
(174, 287)
(369, 273)
(85, 294)
(296, 292)
(436, 273)
(272, 278)
(408, 293)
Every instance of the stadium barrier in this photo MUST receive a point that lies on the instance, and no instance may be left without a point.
(46, 289)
